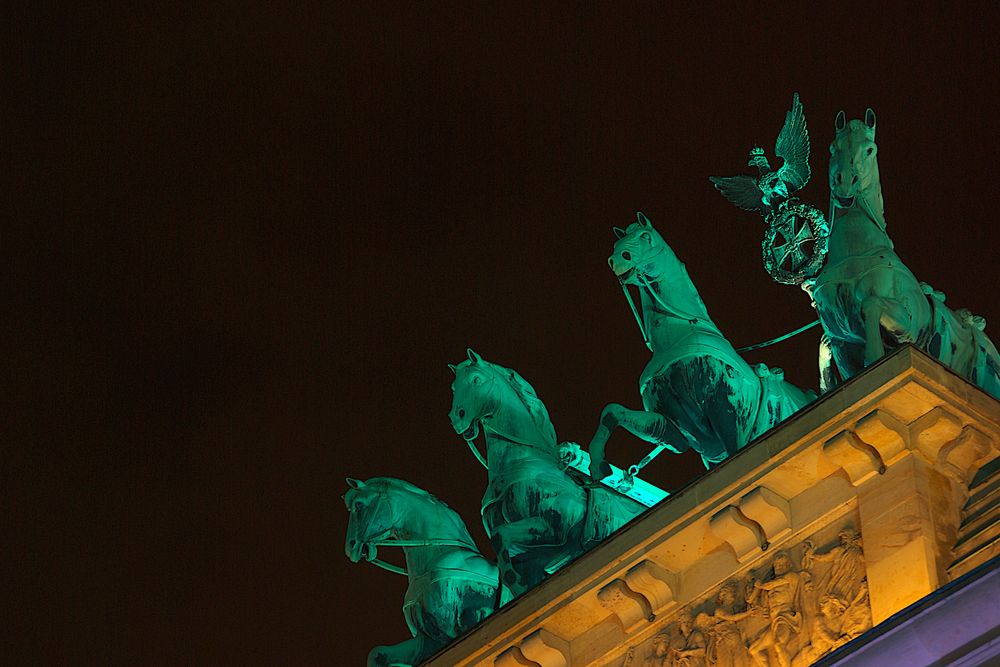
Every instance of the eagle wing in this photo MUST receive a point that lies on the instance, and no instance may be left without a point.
(793, 147)
(742, 190)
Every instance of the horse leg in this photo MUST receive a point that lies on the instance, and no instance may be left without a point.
(827, 376)
(880, 313)
(838, 361)
(520, 573)
(649, 426)
(527, 531)
(408, 653)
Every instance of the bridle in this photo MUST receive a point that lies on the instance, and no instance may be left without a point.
(862, 201)
(664, 309)
(670, 311)
(488, 390)
(391, 541)
(471, 441)
(865, 206)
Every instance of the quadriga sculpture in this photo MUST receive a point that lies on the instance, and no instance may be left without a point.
(696, 390)
(865, 294)
(538, 517)
(451, 585)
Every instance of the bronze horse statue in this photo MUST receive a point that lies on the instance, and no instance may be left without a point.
(867, 299)
(537, 514)
(452, 586)
(697, 392)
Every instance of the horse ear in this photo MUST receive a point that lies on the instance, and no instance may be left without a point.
(473, 357)
(355, 483)
(454, 368)
(619, 232)
(870, 118)
(643, 220)
(841, 122)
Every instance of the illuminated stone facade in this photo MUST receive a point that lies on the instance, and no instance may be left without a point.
(861, 505)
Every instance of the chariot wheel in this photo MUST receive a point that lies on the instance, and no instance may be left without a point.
(795, 243)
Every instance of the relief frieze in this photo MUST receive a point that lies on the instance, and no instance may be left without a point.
(797, 606)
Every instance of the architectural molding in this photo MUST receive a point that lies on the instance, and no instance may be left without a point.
(894, 454)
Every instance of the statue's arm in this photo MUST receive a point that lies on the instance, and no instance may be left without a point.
(774, 584)
(738, 616)
(824, 558)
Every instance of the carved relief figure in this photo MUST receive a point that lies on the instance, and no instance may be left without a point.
(697, 392)
(847, 573)
(826, 632)
(664, 645)
(726, 644)
(784, 604)
(791, 618)
(681, 645)
(691, 649)
(845, 582)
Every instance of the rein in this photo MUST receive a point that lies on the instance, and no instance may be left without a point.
(667, 310)
(773, 341)
(471, 442)
(410, 543)
(390, 541)
(865, 206)
(670, 312)
(634, 469)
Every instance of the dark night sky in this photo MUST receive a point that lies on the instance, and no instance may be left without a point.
(245, 243)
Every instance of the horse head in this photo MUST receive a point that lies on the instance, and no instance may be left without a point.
(854, 165)
(636, 251)
(500, 400)
(372, 518)
(442, 563)
(473, 395)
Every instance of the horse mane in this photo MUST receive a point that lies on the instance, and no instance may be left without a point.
(539, 414)
(394, 484)
(856, 124)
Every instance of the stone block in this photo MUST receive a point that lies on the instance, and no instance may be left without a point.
(885, 432)
(769, 510)
(933, 431)
(654, 583)
(744, 535)
(859, 460)
(631, 608)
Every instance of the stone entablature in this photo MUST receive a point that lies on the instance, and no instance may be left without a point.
(844, 515)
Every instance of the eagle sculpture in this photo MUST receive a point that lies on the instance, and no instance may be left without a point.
(764, 192)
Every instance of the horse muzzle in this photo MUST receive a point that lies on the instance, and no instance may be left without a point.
(356, 551)
(624, 272)
(843, 188)
(464, 424)
(470, 432)
(843, 202)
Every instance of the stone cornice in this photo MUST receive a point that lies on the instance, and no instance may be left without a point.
(898, 443)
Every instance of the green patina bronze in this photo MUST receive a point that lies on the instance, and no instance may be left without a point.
(867, 299)
(769, 189)
(795, 243)
(537, 513)
(698, 393)
(451, 585)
